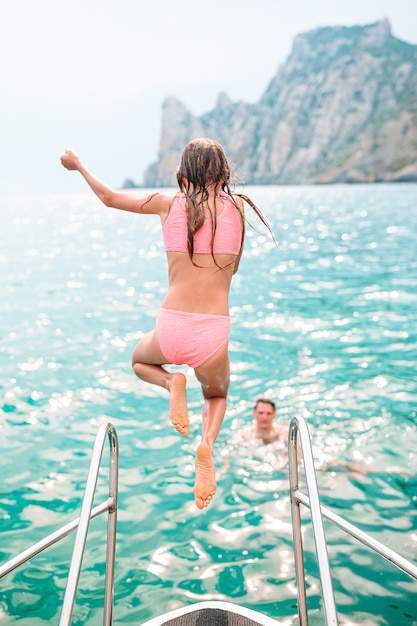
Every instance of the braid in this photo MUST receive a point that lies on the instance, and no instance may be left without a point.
(259, 214)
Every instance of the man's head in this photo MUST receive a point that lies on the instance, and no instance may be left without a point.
(264, 412)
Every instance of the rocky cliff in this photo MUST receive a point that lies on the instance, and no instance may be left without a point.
(343, 108)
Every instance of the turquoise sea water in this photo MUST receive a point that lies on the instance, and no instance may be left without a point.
(326, 325)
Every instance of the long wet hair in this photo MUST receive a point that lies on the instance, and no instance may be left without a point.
(203, 163)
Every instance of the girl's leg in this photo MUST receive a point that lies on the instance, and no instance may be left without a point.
(147, 359)
(214, 377)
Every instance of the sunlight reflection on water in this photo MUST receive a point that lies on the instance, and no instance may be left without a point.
(325, 325)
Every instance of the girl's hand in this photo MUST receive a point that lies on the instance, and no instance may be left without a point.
(70, 160)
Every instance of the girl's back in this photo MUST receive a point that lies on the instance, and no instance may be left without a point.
(201, 284)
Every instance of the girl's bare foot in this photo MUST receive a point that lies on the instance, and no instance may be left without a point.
(178, 410)
(205, 477)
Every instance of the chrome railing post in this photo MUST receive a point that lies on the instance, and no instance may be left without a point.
(80, 539)
(111, 530)
(296, 526)
(298, 423)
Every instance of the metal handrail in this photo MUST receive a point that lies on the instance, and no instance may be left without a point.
(82, 523)
(298, 424)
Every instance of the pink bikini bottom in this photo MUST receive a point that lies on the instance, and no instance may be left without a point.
(191, 338)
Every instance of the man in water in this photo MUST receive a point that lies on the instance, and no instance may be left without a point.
(265, 438)
(265, 428)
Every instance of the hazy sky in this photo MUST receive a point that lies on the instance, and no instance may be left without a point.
(92, 74)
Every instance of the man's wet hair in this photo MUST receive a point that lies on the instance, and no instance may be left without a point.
(265, 401)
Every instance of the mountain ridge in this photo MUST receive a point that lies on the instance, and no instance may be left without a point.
(342, 108)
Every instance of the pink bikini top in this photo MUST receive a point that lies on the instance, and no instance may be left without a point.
(228, 235)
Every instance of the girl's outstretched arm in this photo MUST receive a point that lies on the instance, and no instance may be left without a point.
(154, 204)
